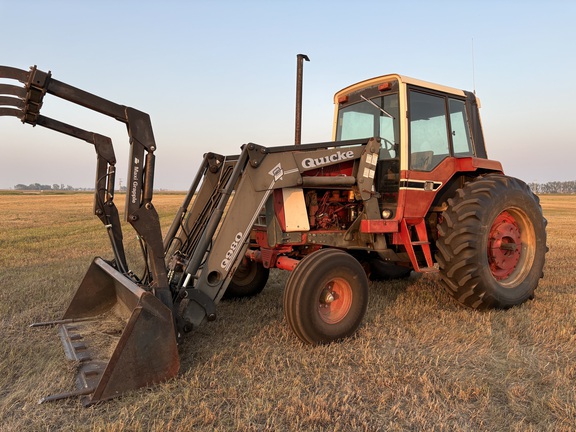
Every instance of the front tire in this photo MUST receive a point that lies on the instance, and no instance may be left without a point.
(326, 296)
(492, 243)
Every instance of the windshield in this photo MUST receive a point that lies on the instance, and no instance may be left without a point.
(377, 116)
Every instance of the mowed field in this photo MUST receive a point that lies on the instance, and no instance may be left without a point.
(419, 361)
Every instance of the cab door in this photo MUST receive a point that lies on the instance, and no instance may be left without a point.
(374, 112)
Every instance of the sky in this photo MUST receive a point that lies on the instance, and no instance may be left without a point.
(214, 75)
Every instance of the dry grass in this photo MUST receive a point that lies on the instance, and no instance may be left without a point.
(419, 362)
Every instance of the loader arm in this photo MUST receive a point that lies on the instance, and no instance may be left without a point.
(25, 103)
(234, 200)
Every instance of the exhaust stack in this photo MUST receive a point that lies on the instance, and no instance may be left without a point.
(299, 72)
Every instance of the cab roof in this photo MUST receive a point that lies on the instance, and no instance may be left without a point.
(402, 79)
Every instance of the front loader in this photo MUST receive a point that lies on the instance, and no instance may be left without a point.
(404, 186)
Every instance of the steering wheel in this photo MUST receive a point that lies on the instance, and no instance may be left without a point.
(389, 146)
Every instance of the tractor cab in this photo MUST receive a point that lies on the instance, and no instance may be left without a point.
(430, 138)
(422, 128)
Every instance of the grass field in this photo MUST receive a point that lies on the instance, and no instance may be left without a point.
(418, 362)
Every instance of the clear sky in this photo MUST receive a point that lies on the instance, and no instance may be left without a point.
(214, 75)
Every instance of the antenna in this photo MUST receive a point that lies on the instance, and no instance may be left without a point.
(473, 69)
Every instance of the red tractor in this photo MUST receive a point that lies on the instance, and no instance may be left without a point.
(405, 185)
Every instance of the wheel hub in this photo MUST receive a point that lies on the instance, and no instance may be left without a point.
(504, 246)
(335, 301)
(327, 297)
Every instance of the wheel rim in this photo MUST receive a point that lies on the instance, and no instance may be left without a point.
(335, 301)
(510, 246)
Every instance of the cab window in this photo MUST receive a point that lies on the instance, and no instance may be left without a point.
(429, 143)
(460, 129)
(438, 128)
(375, 118)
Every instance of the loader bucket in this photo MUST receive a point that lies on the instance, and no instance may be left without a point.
(121, 335)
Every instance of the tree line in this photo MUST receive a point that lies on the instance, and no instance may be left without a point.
(44, 187)
(555, 187)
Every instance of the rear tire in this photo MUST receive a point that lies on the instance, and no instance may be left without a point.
(382, 271)
(326, 296)
(249, 280)
(492, 243)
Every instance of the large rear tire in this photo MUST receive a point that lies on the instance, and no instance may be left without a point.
(492, 243)
(382, 270)
(326, 296)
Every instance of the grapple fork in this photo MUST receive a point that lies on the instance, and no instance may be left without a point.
(122, 335)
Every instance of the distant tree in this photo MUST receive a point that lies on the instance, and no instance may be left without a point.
(56, 186)
(567, 187)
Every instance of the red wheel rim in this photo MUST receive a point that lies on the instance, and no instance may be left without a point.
(504, 246)
(335, 301)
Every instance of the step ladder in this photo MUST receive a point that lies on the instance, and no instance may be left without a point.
(414, 235)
